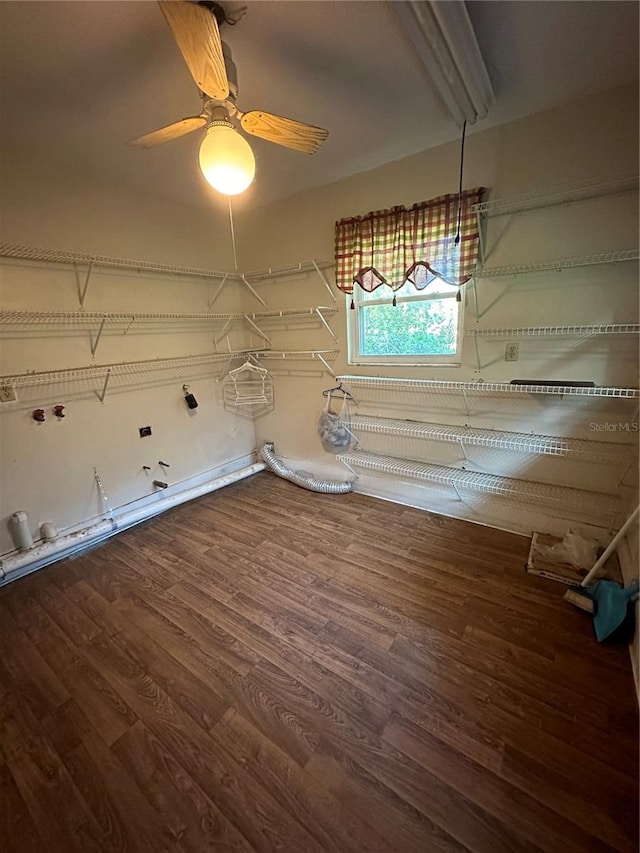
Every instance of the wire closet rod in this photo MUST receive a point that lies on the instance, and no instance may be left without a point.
(438, 385)
(530, 201)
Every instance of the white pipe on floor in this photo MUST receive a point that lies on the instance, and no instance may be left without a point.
(16, 565)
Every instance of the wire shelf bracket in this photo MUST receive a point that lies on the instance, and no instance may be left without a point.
(94, 344)
(82, 291)
(219, 290)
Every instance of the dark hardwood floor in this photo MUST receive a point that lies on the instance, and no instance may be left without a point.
(268, 669)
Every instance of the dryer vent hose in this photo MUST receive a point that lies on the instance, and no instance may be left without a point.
(275, 465)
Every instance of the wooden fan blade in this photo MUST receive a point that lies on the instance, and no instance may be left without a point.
(284, 131)
(171, 131)
(196, 31)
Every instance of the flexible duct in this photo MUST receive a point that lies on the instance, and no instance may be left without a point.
(275, 465)
(16, 565)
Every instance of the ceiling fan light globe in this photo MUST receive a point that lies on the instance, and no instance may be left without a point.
(226, 160)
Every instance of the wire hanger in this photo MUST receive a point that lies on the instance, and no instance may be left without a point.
(250, 367)
(339, 390)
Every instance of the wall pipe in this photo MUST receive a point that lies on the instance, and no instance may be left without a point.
(307, 481)
(19, 564)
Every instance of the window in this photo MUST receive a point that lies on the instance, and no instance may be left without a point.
(404, 268)
(422, 328)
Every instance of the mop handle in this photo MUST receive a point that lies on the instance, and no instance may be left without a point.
(610, 547)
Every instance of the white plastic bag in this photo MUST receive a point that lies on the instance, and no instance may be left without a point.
(573, 549)
(334, 428)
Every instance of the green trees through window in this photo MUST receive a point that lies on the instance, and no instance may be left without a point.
(427, 327)
(424, 327)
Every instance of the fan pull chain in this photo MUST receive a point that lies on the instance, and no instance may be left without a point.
(464, 130)
(457, 240)
(233, 236)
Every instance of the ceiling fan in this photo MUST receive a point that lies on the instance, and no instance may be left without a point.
(226, 159)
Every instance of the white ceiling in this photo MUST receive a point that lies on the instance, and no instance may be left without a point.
(79, 79)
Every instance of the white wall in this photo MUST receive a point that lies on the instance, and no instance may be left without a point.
(584, 142)
(47, 469)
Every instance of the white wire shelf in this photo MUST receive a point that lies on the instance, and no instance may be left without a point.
(558, 264)
(555, 331)
(94, 318)
(550, 445)
(325, 357)
(33, 253)
(448, 386)
(290, 312)
(284, 271)
(560, 497)
(99, 371)
(501, 206)
(294, 355)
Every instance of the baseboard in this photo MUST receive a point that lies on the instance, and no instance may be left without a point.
(74, 541)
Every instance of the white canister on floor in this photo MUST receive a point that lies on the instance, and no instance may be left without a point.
(21, 530)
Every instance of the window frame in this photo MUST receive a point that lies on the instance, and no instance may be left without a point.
(354, 337)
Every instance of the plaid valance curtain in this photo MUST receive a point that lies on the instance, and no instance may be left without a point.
(409, 245)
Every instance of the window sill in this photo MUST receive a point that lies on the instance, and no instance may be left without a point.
(405, 363)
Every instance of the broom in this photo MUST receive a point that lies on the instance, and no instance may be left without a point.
(579, 596)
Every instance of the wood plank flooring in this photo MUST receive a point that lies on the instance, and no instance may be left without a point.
(268, 669)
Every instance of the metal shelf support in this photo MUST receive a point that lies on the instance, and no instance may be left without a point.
(326, 325)
(324, 281)
(218, 291)
(255, 292)
(94, 345)
(257, 329)
(223, 332)
(83, 291)
(105, 386)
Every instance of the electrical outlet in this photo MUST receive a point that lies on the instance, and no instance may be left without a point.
(512, 352)
(7, 394)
